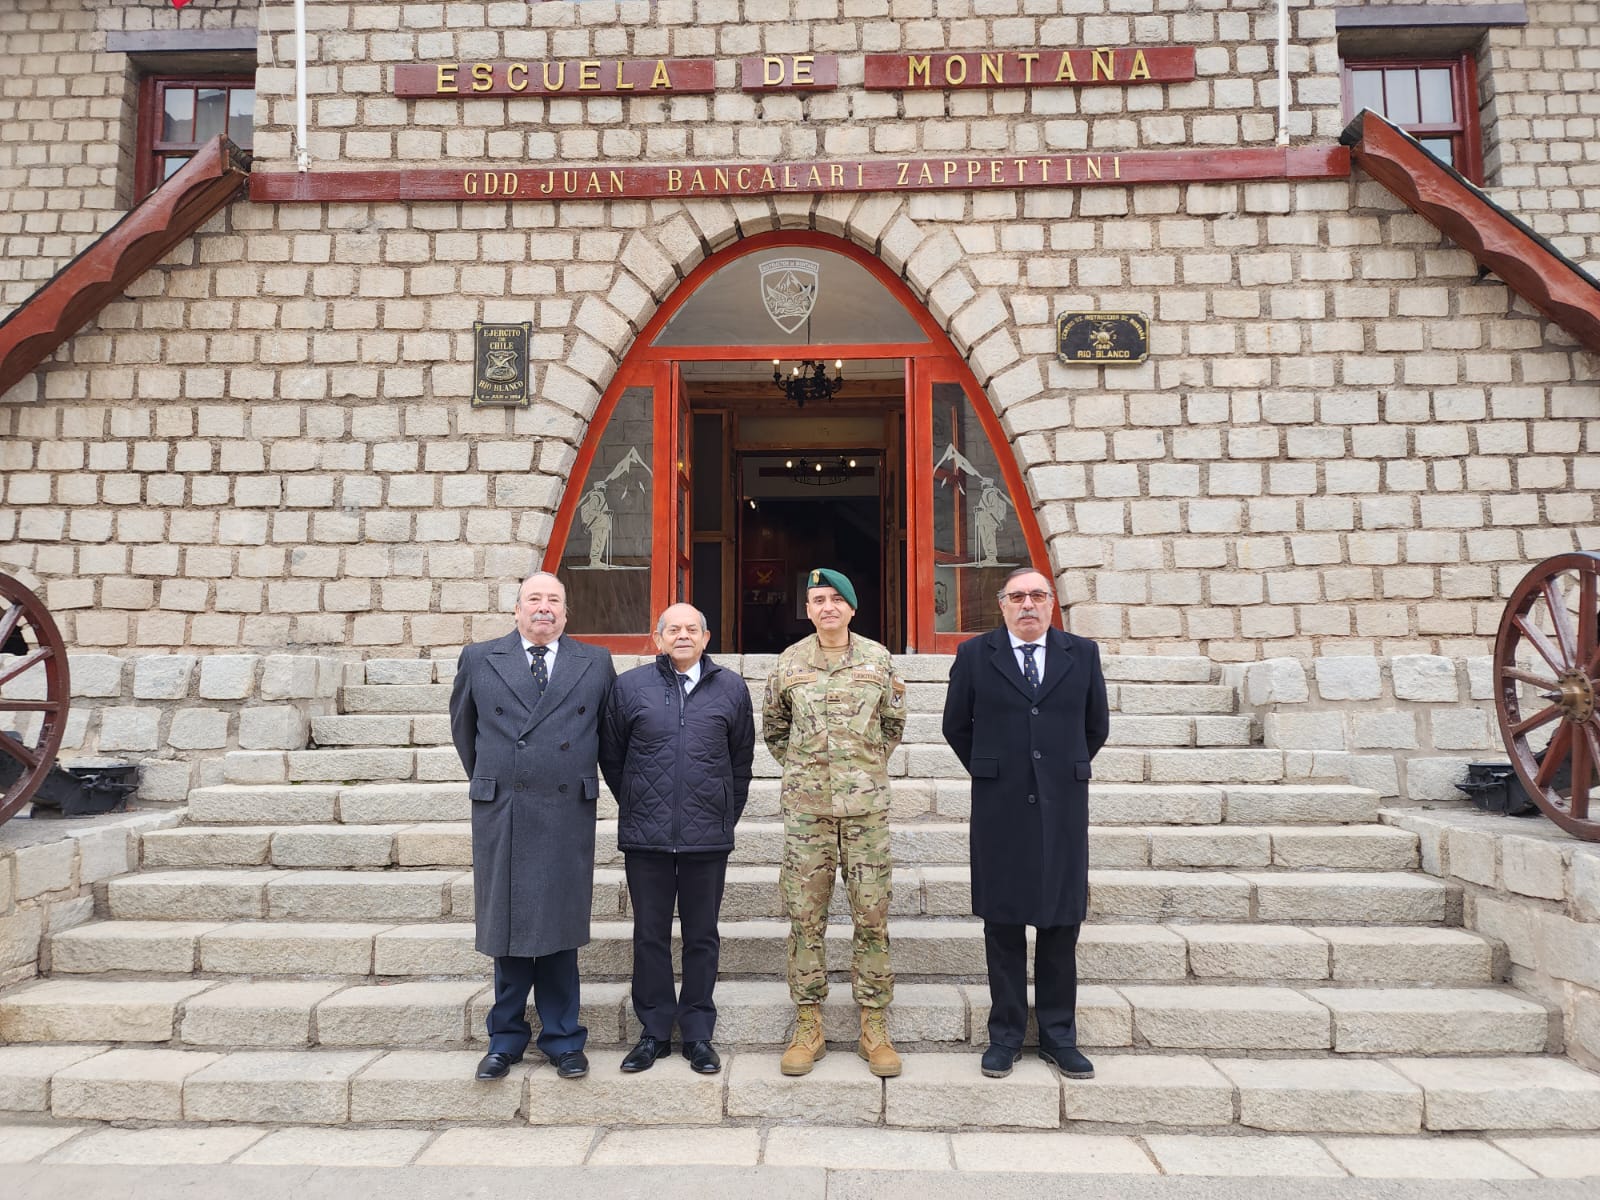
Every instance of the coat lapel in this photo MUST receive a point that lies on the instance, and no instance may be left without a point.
(510, 660)
(1058, 661)
(1004, 659)
(572, 660)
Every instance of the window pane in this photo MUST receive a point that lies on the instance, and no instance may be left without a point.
(242, 117)
(977, 539)
(177, 123)
(1438, 105)
(1366, 91)
(606, 565)
(710, 473)
(171, 165)
(211, 114)
(1441, 148)
(1400, 90)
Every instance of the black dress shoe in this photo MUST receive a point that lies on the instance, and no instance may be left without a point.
(497, 1066)
(645, 1052)
(571, 1065)
(997, 1061)
(1068, 1061)
(702, 1057)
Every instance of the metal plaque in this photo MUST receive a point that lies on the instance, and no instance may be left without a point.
(1103, 339)
(500, 363)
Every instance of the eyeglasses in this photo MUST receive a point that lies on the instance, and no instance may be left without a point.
(1019, 597)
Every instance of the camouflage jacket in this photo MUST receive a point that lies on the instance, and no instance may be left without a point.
(832, 729)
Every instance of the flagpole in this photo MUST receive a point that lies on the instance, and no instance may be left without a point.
(302, 155)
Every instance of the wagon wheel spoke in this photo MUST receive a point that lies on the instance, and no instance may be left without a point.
(8, 623)
(44, 706)
(18, 751)
(1557, 753)
(1585, 753)
(1589, 623)
(26, 663)
(1540, 643)
(1561, 620)
(1538, 681)
(1542, 717)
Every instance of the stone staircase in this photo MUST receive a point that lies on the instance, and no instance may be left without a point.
(1262, 953)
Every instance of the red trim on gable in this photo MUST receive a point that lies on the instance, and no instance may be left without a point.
(77, 293)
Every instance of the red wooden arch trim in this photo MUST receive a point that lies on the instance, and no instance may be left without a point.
(77, 292)
(1529, 265)
(938, 350)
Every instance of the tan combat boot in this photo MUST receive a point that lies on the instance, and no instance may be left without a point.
(807, 1045)
(875, 1046)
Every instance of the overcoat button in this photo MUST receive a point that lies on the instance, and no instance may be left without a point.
(562, 788)
(564, 745)
(522, 786)
(499, 712)
(523, 745)
(1033, 800)
(581, 709)
(1034, 711)
(1036, 754)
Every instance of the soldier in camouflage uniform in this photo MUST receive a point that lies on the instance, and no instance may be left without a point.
(835, 711)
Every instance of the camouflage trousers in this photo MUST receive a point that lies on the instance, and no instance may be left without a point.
(815, 848)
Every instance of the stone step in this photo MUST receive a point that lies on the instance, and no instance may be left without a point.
(1132, 952)
(250, 1088)
(440, 843)
(390, 731)
(422, 699)
(450, 1014)
(407, 802)
(375, 764)
(424, 893)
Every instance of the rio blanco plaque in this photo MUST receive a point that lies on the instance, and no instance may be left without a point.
(1103, 339)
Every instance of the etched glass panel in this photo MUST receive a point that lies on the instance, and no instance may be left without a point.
(606, 564)
(977, 536)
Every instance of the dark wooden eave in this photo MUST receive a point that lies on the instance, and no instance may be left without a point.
(77, 292)
(1527, 262)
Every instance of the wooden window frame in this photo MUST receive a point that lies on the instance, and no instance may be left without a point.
(1465, 133)
(150, 149)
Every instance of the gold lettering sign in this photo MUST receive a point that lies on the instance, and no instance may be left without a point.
(585, 76)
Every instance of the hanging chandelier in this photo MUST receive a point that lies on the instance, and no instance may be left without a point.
(808, 380)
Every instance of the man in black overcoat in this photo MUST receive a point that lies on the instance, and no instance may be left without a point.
(525, 718)
(1026, 712)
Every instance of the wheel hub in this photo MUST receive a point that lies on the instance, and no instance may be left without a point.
(1575, 695)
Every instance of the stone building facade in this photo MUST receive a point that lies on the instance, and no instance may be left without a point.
(1345, 442)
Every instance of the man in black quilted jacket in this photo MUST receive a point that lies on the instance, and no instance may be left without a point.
(675, 748)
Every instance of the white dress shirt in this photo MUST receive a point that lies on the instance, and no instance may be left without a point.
(693, 675)
(1038, 659)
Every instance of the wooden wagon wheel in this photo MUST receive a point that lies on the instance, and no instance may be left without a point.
(1549, 645)
(33, 679)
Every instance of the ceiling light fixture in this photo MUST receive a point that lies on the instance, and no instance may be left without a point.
(808, 380)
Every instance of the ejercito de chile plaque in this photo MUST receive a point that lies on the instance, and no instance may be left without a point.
(500, 363)
(1103, 339)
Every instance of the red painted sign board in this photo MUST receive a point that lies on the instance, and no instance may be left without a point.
(789, 73)
(563, 77)
(1122, 66)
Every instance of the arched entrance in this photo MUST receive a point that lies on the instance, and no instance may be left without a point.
(701, 479)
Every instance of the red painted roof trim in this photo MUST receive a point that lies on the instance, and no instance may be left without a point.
(1529, 264)
(75, 295)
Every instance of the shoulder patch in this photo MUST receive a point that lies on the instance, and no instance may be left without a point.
(897, 696)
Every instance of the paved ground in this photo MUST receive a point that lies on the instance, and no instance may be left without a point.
(50, 1160)
(715, 1183)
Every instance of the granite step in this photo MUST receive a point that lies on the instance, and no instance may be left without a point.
(756, 946)
(1140, 1093)
(1357, 847)
(439, 764)
(450, 1014)
(427, 893)
(1131, 952)
(409, 802)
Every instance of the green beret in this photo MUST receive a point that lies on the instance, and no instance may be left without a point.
(837, 580)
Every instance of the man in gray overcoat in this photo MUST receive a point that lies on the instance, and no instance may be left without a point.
(524, 715)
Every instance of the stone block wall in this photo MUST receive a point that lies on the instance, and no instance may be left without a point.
(1405, 726)
(48, 873)
(1345, 442)
(1535, 889)
(176, 714)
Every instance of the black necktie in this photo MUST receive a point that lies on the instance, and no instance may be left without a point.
(683, 683)
(541, 677)
(1030, 669)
